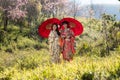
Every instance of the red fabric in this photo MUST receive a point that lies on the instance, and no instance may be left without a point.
(68, 45)
(43, 31)
(77, 29)
(61, 42)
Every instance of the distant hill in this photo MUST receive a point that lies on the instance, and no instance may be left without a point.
(108, 9)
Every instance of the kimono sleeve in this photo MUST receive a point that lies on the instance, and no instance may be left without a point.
(51, 37)
(72, 42)
(72, 34)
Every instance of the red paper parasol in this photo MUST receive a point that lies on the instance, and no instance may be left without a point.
(45, 27)
(75, 25)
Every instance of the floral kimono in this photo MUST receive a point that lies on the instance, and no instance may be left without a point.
(68, 44)
(54, 46)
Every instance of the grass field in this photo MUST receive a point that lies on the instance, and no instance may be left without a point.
(36, 65)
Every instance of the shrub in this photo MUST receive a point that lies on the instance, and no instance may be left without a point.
(37, 46)
(118, 71)
(1, 68)
(24, 42)
(84, 48)
(3, 35)
(88, 76)
(27, 63)
(9, 49)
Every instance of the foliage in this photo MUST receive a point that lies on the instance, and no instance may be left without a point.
(33, 11)
(34, 64)
(110, 30)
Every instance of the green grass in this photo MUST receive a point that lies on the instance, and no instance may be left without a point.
(36, 65)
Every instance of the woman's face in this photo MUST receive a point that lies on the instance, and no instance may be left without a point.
(65, 26)
(54, 27)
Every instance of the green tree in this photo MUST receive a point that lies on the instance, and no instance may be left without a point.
(110, 30)
(33, 11)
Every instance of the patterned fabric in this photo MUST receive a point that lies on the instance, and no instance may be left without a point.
(68, 44)
(54, 46)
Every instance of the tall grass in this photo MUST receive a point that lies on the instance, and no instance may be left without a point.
(36, 65)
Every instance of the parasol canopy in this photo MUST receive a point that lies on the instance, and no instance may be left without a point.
(45, 28)
(74, 25)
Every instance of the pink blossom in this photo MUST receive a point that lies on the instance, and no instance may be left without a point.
(14, 8)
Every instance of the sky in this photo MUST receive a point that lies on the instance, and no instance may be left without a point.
(85, 2)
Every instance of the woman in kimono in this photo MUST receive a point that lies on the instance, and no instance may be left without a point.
(68, 42)
(54, 44)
